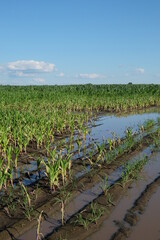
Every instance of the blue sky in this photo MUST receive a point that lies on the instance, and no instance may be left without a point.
(79, 41)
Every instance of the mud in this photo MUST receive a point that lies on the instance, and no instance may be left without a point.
(123, 199)
(133, 214)
(88, 183)
(142, 216)
(148, 227)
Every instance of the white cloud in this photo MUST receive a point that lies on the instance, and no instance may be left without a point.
(140, 70)
(90, 75)
(27, 68)
(60, 74)
(25, 65)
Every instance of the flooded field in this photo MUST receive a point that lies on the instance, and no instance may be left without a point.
(98, 202)
(78, 162)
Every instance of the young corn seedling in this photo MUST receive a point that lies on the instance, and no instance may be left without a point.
(131, 170)
(82, 221)
(64, 165)
(79, 144)
(16, 151)
(96, 212)
(105, 187)
(5, 142)
(26, 202)
(89, 133)
(53, 154)
(39, 161)
(25, 143)
(149, 123)
(129, 134)
(10, 174)
(52, 172)
(64, 197)
(109, 200)
(101, 151)
(84, 133)
(9, 155)
(10, 202)
(3, 174)
(111, 143)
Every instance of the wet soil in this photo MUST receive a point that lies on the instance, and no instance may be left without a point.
(86, 184)
(148, 226)
(142, 216)
(123, 212)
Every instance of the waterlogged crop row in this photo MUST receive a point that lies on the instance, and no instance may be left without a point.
(33, 118)
(57, 166)
(37, 114)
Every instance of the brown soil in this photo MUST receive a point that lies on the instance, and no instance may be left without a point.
(133, 215)
(16, 225)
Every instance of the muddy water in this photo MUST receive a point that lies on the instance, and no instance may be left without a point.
(104, 127)
(148, 227)
(118, 123)
(79, 202)
(106, 123)
(108, 227)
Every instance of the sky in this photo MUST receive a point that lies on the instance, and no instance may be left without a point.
(48, 42)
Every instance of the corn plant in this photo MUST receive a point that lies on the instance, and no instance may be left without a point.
(16, 151)
(52, 172)
(96, 212)
(105, 187)
(26, 202)
(82, 221)
(64, 197)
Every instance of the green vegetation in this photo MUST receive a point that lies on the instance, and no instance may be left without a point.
(51, 127)
(131, 170)
(96, 211)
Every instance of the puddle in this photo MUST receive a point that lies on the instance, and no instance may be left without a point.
(108, 227)
(118, 124)
(79, 202)
(103, 129)
(148, 227)
(104, 124)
